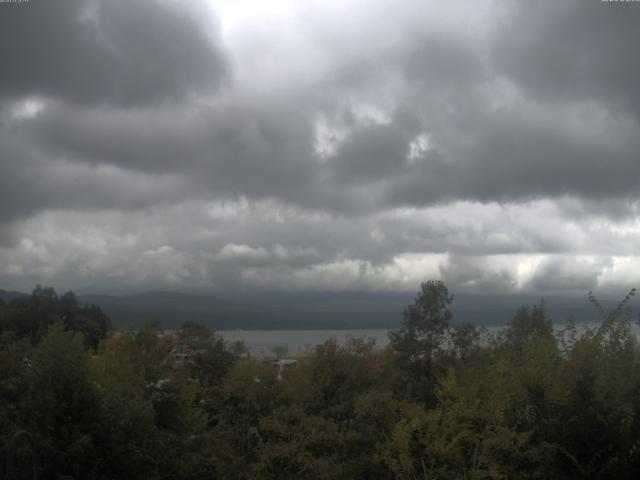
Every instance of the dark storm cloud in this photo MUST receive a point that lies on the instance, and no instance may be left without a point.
(371, 154)
(573, 50)
(259, 150)
(112, 51)
(34, 179)
(557, 274)
(519, 156)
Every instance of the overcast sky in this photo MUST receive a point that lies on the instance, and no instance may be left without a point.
(320, 145)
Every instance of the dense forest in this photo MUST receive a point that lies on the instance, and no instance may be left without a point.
(441, 402)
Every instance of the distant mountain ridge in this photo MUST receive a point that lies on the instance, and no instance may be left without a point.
(172, 308)
(7, 295)
(310, 310)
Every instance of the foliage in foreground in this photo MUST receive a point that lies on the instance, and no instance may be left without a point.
(440, 402)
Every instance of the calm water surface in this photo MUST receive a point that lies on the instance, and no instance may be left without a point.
(265, 342)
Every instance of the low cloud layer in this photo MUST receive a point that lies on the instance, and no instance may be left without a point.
(318, 145)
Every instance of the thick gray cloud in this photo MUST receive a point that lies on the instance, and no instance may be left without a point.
(106, 51)
(372, 154)
(573, 51)
(524, 154)
(560, 274)
(492, 145)
(444, 64)
(36, 179)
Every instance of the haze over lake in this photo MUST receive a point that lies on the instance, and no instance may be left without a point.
(263, 342)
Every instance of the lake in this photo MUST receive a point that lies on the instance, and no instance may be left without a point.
(262, 343)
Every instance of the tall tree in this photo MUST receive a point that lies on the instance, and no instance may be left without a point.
(420, 337)
(529, 323)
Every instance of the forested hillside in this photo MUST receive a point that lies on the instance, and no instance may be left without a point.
(439, 403)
